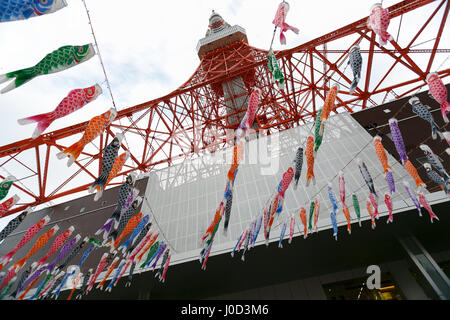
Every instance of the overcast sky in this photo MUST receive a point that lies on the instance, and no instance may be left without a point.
(148, 48)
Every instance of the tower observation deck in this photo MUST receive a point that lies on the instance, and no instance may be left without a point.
(221, 37)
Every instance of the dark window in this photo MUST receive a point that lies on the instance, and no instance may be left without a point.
(356, 289)
(426, 287)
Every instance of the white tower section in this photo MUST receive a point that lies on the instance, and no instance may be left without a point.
(219, 35)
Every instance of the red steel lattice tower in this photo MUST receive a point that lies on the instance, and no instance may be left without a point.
(201, 114)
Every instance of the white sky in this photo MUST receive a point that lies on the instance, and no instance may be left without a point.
(148, 48)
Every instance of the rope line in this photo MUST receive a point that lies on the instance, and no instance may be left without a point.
(108, 85)
(99, 54)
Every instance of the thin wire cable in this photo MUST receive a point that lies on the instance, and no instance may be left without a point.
(399, 27)
(68, 218)
(275, 191)
(354, 157)
(416, 45)
(273, 38)
(342, 169)
(10, 174)
(343, 72)
(398, 111)
(443, 62)
(350, 206)
(425, 83)
(99, 55)
(238, 140)
(317, 193)
(104, 70)
(49, 203)
(396, 197)
(401, 108)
